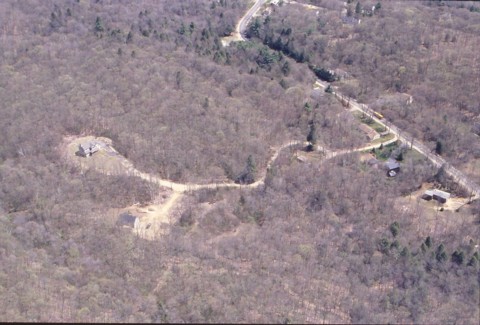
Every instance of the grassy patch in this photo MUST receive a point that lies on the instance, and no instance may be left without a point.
(365, 119)
(385, 151)
(415, 155)
(386, 138)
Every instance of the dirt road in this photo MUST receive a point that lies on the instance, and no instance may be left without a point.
(156, 217)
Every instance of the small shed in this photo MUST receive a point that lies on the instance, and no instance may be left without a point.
(440, 196)
(87, 149)
(393, 167)
(301, 158)
(384, 133)
(127, 219)
(372, 162)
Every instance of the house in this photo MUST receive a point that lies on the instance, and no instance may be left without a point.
(371, 133)
(341, 74)
(301, 158)
(349, 20)
(404, 98)
(127, 220)
(393, 167)
(437, 195)
(372, 162)
(384, 133)
(87, 149)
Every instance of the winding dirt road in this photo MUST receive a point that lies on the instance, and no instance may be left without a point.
(180, 188)
(156, 216)
(188, 187)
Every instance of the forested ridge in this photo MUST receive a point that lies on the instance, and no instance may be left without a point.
(427, 49)
(321, 241)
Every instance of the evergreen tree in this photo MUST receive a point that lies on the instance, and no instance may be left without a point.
(312, 137)
(439, 148)
(286, 68)
(394, 229)
(254, 29)
(307, 107)
(129, 37)
(358, 8)
(441, 175)
(251, 167)
(473, 262)
(248, 175)
(405, 252)
(423, 247)
(98, 25)
(440, 254)
(458, 257)
(428, 242)
(400, 156)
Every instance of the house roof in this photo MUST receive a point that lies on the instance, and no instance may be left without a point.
(341, 73)
(372, 161)
(350, 20)
(371, 133)
(126, 219)
(392, 164)
(90, 146)
(442, 194)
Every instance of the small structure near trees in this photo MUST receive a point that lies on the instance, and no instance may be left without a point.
(301, 158)
(372, 162)
(87, 149)
(440, 196)
(127, 220)
(393, 167)
(341, 74)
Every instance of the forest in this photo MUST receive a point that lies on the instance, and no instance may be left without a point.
(434, 59)
(320, 241)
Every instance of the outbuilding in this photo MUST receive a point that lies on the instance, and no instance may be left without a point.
(393, 167)
(127, 219)
(440, 196)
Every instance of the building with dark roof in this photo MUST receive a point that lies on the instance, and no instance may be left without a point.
(440, 196)
(393, 167)
(127, 219)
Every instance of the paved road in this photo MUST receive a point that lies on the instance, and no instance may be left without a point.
(242, 24)
(405, 137)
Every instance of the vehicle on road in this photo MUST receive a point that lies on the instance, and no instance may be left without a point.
(378, 115)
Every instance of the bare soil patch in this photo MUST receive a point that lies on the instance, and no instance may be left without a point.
(432, 216)
(107, 160)
(154, 219)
